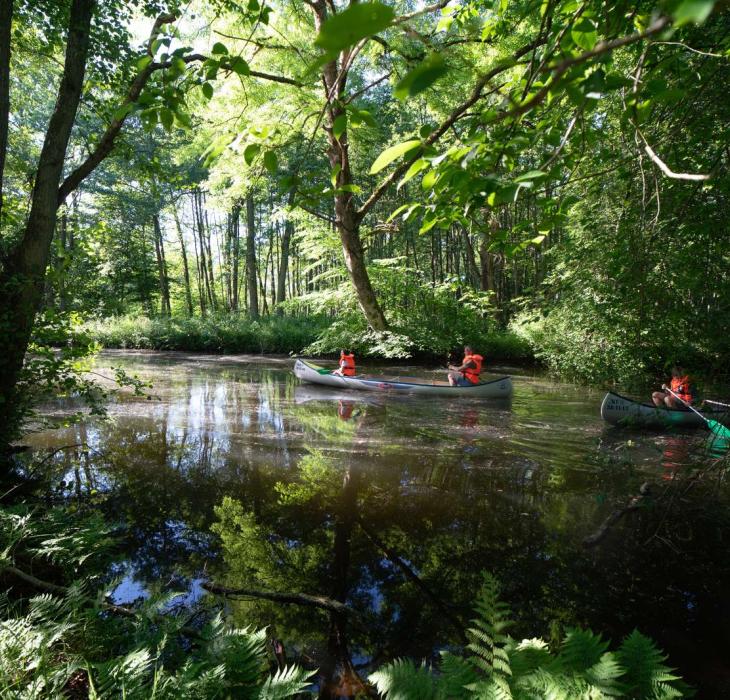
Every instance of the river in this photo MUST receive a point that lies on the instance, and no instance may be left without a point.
(231, 471)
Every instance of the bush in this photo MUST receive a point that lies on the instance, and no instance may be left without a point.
(218, 333)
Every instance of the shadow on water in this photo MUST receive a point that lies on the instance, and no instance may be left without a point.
(392, 507)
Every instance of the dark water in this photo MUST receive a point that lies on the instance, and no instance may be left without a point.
(235, 473)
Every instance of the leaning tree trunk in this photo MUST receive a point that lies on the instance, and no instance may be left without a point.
(6, 21)
(21, 280)
(164, 282)
(347, 220)
(251, 267)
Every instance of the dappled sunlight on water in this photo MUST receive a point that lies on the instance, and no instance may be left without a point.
(231, 471)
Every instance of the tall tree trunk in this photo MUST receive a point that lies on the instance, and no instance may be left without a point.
(184, 254)
(235, 252)
(205, 232)
(251, 276)
(202, 248)
(165, 308)
(21, 281)
(284, 258)
(6, 21)
(347, 220)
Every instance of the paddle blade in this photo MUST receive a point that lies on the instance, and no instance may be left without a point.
(718, 429)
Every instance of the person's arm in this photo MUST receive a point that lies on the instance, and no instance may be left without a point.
(466, 365)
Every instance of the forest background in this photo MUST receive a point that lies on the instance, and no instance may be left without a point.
(541, 179)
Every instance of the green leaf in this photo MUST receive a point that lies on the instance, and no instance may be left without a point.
(239, 66)
(207, 89)
(530, 175)
(121, 112)
(250, 152)
(339, 126)
(421, 77)
(393, 153)
(335, 172)
(695, 11)
(356, 22)
(143, 63)
(219, 49)
(415, 168)
(271, 162)
(183, 118)
(166, 118)
(584, 33)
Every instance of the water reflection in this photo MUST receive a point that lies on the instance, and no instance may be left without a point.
(393, 506)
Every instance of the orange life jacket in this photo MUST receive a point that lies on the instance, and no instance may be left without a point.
(347, 364)
(472, 374)
(682, 387)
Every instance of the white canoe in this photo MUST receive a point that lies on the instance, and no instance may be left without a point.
(619, 410)
(494, 389)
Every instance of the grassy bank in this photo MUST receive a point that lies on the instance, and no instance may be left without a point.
(316, 335)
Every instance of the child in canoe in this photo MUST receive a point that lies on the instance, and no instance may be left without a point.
(680, 384)
(347, 364)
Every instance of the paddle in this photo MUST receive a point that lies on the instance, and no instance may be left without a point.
(717, 428)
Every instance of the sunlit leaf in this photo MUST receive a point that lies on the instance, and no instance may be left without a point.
(339, 125)
(271, 161)
(219, 49)
(695, 11)
(393, 153)
(356, 22)
(421, 77)
(250, 152)
(584, 33)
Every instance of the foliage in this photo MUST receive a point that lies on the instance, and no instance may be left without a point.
(75, 640)
(226, 333)
(503, 668)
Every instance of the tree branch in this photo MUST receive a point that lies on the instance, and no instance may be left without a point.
(457, 113)
(698, 177)
(312, 601)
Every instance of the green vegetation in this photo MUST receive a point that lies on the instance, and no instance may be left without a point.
(71, 639)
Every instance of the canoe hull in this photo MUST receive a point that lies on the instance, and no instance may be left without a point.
(496, 389)
(620, 410)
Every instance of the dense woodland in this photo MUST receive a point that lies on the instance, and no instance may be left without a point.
(542, 178)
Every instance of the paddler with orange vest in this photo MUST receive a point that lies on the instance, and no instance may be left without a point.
(347, 364)
(680, 384)
(468, 373)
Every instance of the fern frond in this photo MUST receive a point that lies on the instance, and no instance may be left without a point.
(286, 682)
(403, 680)
(580, 650)
(645, 673)
(456, 674)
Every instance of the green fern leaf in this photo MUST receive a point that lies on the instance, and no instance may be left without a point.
(403, 680)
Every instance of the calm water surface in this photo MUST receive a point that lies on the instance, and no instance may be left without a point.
(233, 472)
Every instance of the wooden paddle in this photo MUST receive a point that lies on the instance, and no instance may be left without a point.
(718, 428)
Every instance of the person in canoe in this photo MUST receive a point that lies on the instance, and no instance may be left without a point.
(680, 384)
(347, 364)
(467, 374)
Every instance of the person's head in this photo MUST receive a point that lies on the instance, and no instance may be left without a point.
(468, 350)
(344, 351)
(677, 370)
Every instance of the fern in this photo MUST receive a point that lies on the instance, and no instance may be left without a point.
(403, 680)
(645, 673)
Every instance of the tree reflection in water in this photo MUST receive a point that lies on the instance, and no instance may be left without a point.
(394, 507)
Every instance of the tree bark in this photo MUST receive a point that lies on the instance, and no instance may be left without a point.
(21, 281)
(6, 21)
(347, 219)
(164, 282)
(184, 253)
(284, 263)
(235, 252)
(251, 276)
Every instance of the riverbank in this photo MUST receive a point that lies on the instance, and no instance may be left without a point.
(289, 335)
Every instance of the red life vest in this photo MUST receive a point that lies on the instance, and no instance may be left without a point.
(347, 364)
(472, 374)
(682, 387)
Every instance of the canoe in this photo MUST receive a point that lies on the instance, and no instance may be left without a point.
(494, 389)
(619, 410)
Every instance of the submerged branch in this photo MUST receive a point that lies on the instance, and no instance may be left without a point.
(313, 601)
